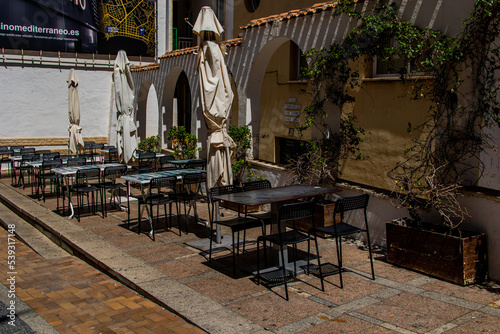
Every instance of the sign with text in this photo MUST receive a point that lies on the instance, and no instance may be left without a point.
(83, 26)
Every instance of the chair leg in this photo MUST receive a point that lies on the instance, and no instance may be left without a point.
(211, 241)
(234, 253)
(338, 241)
(319, 264)
(371, 255)
(284, 271)
(258, 262)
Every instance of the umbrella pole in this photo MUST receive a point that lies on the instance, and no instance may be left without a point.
(227, 166)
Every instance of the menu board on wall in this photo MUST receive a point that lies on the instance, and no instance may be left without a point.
(83, 26)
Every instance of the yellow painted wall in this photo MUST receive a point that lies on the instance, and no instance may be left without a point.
(276, 91)
(383, 110)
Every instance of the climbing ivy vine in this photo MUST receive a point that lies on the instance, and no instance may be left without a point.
(456, 74)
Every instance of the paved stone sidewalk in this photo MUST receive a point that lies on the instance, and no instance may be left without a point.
(179, 277)
(74, 297)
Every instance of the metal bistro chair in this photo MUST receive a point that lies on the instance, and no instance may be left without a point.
(45, 174)
(108, 182)
(165, 165)
(86, 184)
(342, 228)
(5, 154)
(157, 196)
(287, 213)
(190, 191)
(21, 168)
(146, 164)
(265, 217)
(200, 164)
(70, 162)
(237, 224)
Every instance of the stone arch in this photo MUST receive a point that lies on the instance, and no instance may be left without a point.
(255, 82)
(147, 115)
(176, 106)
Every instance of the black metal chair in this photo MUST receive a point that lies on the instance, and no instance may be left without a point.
(76, 161)
(287, 213)
(146, 163)
(86, 185)
(265, 217)
(5, 153)
(50, 155)
(341, 228)
(112, 155)
(196, 164)
(165, 165)
(45, 174)
(159, 193)
(21, 168)
(190, 191)
(108, 182)
(237, 224)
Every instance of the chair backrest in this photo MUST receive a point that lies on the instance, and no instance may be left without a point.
(29, 150)
(198, 164)
(88, 175)
(29, 157)
(51, 155)
(16, 149)
(159, 183)
(256, 185)
(47, 165)
(76, 161)
(345, 204)
(114, 172)
(147, 160)
(193, 178)
(222, 190)
(297, 210)
(113, 154)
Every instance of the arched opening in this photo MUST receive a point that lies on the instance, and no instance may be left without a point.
(147, 116)
(275, 101)
(182, 102)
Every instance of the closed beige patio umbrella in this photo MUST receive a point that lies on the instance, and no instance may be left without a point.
(216, 97)
(75, 131)
(123, 87)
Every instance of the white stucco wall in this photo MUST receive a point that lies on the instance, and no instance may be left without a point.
(35, 102)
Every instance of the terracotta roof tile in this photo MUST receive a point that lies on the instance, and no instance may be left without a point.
(144, 67)
(322, 6)
(193, 49)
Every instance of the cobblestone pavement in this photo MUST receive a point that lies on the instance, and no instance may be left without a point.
(170, 272)
(74, 297)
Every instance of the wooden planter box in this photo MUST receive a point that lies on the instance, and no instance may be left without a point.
(323, 216)
(459, 259)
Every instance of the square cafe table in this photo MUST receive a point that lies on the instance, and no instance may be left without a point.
(143, 179)
(277, 197)
(69, 172)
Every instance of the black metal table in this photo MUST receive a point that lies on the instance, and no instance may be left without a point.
(276, 197)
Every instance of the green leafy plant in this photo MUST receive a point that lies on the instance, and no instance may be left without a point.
(461, 87)
(240, 164)
(150, 144)
(185, 144)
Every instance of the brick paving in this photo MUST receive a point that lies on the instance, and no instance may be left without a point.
(74, 297)
(180, 277)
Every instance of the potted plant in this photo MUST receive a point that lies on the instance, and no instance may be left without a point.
(150, 144)
(185, 144)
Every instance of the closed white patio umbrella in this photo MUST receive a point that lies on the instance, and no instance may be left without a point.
(216, 97)
(123, 86)
(75, 131)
